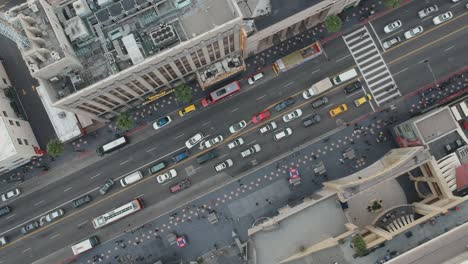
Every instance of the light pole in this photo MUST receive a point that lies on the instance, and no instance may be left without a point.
(432, 72)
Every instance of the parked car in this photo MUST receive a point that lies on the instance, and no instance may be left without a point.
(282, 133)
(413, 32)
(237, 126)
(168, 175)
(427, 11)
(207, 156)
(106, 187)
(224, 165)
(360, 101)
(5, 210)
(30, 227)
(338, 110)
(254, 149)
(442, 18)
(213, 141)
(11, 194)
(312, 120)
(255, 78)
(186, 110)
(181, 242)
(319, 102)
(271, 126)
(352, 87)
(235, 143)
(180, 156)
(392, 26)
(282, 105)
(195, 139)
(54, 215)
(182, 185)
(161, 122)
(387, 44)
(260, 117)
(3, 241)
(81, 201)
(292, 115)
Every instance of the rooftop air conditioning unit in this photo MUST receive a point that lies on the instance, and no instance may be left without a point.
(62, 115)
(33, 67)
(55, 55)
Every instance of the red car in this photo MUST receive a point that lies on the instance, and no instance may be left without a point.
(181, 242)
(261, 117)
(294, 176)
(180, 186)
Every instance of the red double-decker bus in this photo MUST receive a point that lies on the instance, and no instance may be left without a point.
(221, 93)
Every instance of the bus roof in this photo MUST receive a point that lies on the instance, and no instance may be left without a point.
(114, 143)
(226, 90)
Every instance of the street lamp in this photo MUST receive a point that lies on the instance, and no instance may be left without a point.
(432, 72)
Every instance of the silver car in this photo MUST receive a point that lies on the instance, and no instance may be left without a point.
(387, 44)
(254, 149)
(413, 32)
(222, 166)
(237, 126)
(11, 194)
(392, 26)
(52, 216)
(427, 11)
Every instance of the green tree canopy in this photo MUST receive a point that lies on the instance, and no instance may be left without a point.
(55, 147)
(392, 3)
(359, 246)
(124, 122)
(333, 24)
(183, 93)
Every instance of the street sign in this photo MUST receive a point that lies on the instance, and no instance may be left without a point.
(155, 97)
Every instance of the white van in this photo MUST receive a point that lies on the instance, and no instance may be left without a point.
(131, 178)
(345, 76)
(255, 78)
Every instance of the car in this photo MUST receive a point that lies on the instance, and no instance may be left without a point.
(224, 165)
(3, 241)
(235, 143)
(292, 115)
(319, 102)
(172, 173)
(338, 110)
(387, 44)
(207, 156)
(312, 120)
(52, 216)
(161, 122)
(195, 139)
(360, 101)
(352, 87)
(284, 104)
(81, 201)
(11, 194)
(29, 227)
(181, 242)
(428, 10)
(237, 126)
(294, 175)
(211, 142)
(271, 126)
(442, 18)
(413, 32)
(106, 187)
(186, 110)
(392, 26)
(5, 210)
(255, 78)
(254, 149)
(260, 117)
(180, 156)
(182, 185)
(283, 133)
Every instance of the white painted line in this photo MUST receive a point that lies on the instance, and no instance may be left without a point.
(67, 189)
(55, 236)
(123, 162)
(377, 36)
(224, 155)
(317, 70)
(139, 196)
(83, 223)
(449, 48)
(288, 84)
(261, 97)
(151, 149)
(423, 60)
(206, 123)
(10, 216)
(252, 142)
(233, 110)
(97, 175)
(405, 69)
(340, 59)
(454, 5)
(197, 168)
(38, 203)
(24, 251)
(353, 94)
(181, 135)
(426, 18)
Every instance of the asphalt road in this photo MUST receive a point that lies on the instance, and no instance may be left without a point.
(409, 75)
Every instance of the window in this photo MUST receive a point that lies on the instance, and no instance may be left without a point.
(153, 76)
(17, 123)
(86, 110)
(26, 142)
(109, 100)
(164, 73)
(195, 59)
(171, 71)
(134, 88)
(149, 80)
(211, 52)
(122, 91)
(186, 64)
(216, 48)
(140, 85)
(226, 45)
(201, 56)
(98, 100)
(231, 42)
(94, 107)
(180, 67)
(19, 141)
(11, 122)
(5, 113)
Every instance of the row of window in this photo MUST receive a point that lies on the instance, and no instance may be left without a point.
(13, 123)
(24, 141)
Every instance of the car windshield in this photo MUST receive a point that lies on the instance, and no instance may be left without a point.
(162, 121)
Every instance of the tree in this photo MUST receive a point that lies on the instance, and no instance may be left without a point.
(333, 24)
(183, 93)
(392, 3)
(124, 122)
(359, 246)
(55, 147)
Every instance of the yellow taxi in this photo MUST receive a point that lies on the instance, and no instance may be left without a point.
(187, 109)
(366, 98)
(338, 110)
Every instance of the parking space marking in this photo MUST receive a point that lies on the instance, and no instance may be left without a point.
(426, 59)
(288, 84)
(97, 175)
(141, 195)
(427, 18)
(67, 189)
(206, 123)
(36, 204)
(123, 162)
(224, 155)
(83, 223)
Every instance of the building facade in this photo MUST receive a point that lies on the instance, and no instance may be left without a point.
(4, 80)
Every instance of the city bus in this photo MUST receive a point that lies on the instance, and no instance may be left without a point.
(118, 213)
(221, 93)
(85, 245)
(112, 146)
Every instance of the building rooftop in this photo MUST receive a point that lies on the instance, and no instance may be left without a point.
(8, 148)
(436, 125)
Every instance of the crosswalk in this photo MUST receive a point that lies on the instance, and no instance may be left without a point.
(373, 68)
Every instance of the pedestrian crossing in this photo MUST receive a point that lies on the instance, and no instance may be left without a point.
(373, 68)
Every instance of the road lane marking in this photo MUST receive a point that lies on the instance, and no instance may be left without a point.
(424, 60)
(261, 97)
(377, 36)
(181, 135)
(427, 18)
(405, 69)
(288, 84)
(251, 142)
(67, 189)
(340, 59)
(38, 203)
(232, 111)
(55, 236)
(97, 175)
(10, 216)
(206, 123)
(24, 251)
(224, 155)
(141, 195)
(449, 48)
(123, 162)
(83, 223)
(151, 149)
(452, 6)
(317, 70)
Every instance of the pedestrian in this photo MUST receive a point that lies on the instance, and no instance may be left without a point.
(341, 161)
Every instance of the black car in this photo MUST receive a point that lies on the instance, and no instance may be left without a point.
(29, 227)
(106, 187)
(81, 201)
(319, 102)
(314, 119)
(282, 105)
(5, 210)
(353, 87)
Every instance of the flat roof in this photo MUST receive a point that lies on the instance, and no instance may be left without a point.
(8, 148)
(436, 125)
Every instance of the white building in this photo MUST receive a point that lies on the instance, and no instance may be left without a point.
(4, 80)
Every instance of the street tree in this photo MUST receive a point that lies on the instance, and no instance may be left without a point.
(392, 3)
(55, 148)
(183, 93)
(333, 24)
(124, 122)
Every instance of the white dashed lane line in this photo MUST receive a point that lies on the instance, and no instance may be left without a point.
(38, 203)
(67, 189)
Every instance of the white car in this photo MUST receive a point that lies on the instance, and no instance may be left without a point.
(211, 142)
(166, 176)
(10, 194)
(271, 126)
(392, 26)
(292, 115)
(235, 143)
(254, 149)
(442, 18)
(161, 122)
(237, 126)
(427, 11)
(222, 166)
(413, 32)
(194, 140)
(283, 133)
(387, 44)
(54, 215)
